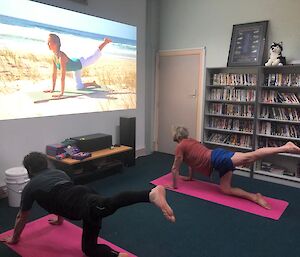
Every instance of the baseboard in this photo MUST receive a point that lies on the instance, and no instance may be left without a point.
(277, 181)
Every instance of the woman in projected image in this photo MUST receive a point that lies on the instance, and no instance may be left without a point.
(62, 62)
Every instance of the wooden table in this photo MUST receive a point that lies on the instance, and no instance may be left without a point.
(95, 155)
(111, 160)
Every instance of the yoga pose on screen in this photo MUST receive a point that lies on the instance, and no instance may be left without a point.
(62, 62)
(200, 158)
(54, 191)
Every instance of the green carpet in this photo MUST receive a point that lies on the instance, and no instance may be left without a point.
(202, 229)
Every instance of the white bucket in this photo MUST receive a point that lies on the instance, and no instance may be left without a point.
(16, 179)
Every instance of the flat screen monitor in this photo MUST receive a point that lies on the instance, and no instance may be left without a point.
(56, 62)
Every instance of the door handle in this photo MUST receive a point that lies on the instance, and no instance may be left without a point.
(194, 94)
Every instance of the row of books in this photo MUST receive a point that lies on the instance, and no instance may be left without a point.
(279, 113)
(279, 79)
(233, 79)
(231, 109)
(272, 96)
(231, 124)
(278, 129)
(230, 139)
(271, 142)
(275, 169)
(232, 94)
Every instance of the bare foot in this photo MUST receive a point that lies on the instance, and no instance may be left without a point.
(91, 84)
(123, 255)
(48, 91)
(158, 197)
(107, 40)
(292, 148)
(262, 202)
(57, 96)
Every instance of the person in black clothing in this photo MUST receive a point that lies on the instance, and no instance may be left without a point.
(54, 191)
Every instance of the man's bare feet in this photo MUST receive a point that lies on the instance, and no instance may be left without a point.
(158, 197)
(262, 202)
(123, 255)
(292, 148)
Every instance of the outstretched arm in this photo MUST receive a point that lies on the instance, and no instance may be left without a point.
(21, 220)
(54, 75)
(63, 63)
(175, 170)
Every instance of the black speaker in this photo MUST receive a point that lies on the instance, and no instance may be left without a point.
(127, 137)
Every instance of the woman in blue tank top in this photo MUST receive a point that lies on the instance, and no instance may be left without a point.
(62, 62)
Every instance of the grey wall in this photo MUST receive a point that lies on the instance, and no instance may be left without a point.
(18, 137)
(196, 23)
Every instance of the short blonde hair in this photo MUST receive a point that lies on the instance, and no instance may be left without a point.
(180, 133)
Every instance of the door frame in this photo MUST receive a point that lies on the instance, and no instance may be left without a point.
(200, 94)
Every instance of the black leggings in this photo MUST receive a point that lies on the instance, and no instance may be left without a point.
(99, 208)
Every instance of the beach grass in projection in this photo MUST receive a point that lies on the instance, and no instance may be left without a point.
(26, 62)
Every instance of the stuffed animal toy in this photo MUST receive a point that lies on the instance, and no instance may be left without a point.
(276, 59)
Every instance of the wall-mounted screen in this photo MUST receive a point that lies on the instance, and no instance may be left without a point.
(55, 62)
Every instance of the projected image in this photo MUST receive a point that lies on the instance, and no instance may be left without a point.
(55, 61)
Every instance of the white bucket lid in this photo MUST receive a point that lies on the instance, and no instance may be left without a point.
(16, 172)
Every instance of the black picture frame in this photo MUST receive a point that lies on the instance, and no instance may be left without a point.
(248, 44)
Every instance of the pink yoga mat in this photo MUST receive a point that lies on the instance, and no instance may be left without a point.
(211, 192)
(40, 239)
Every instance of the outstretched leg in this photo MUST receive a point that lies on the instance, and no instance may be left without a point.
(225, 185)
(89, 61)
(239, 158)
(157, 196)
(96, 55)
(102, 207)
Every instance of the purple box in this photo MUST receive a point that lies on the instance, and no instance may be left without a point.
(55, 149)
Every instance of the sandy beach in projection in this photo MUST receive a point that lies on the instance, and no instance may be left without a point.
(24, 76)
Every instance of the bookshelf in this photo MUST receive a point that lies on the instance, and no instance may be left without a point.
(247, 108)
(230, 108)
(278, 120)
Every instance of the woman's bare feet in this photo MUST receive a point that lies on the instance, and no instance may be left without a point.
(158, 197)
(104, 43)
(292, 148)
(48, 91)
(262, 202)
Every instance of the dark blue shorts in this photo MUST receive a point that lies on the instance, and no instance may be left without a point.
(221, 161)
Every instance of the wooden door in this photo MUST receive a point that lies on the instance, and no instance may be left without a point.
(178, 95)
